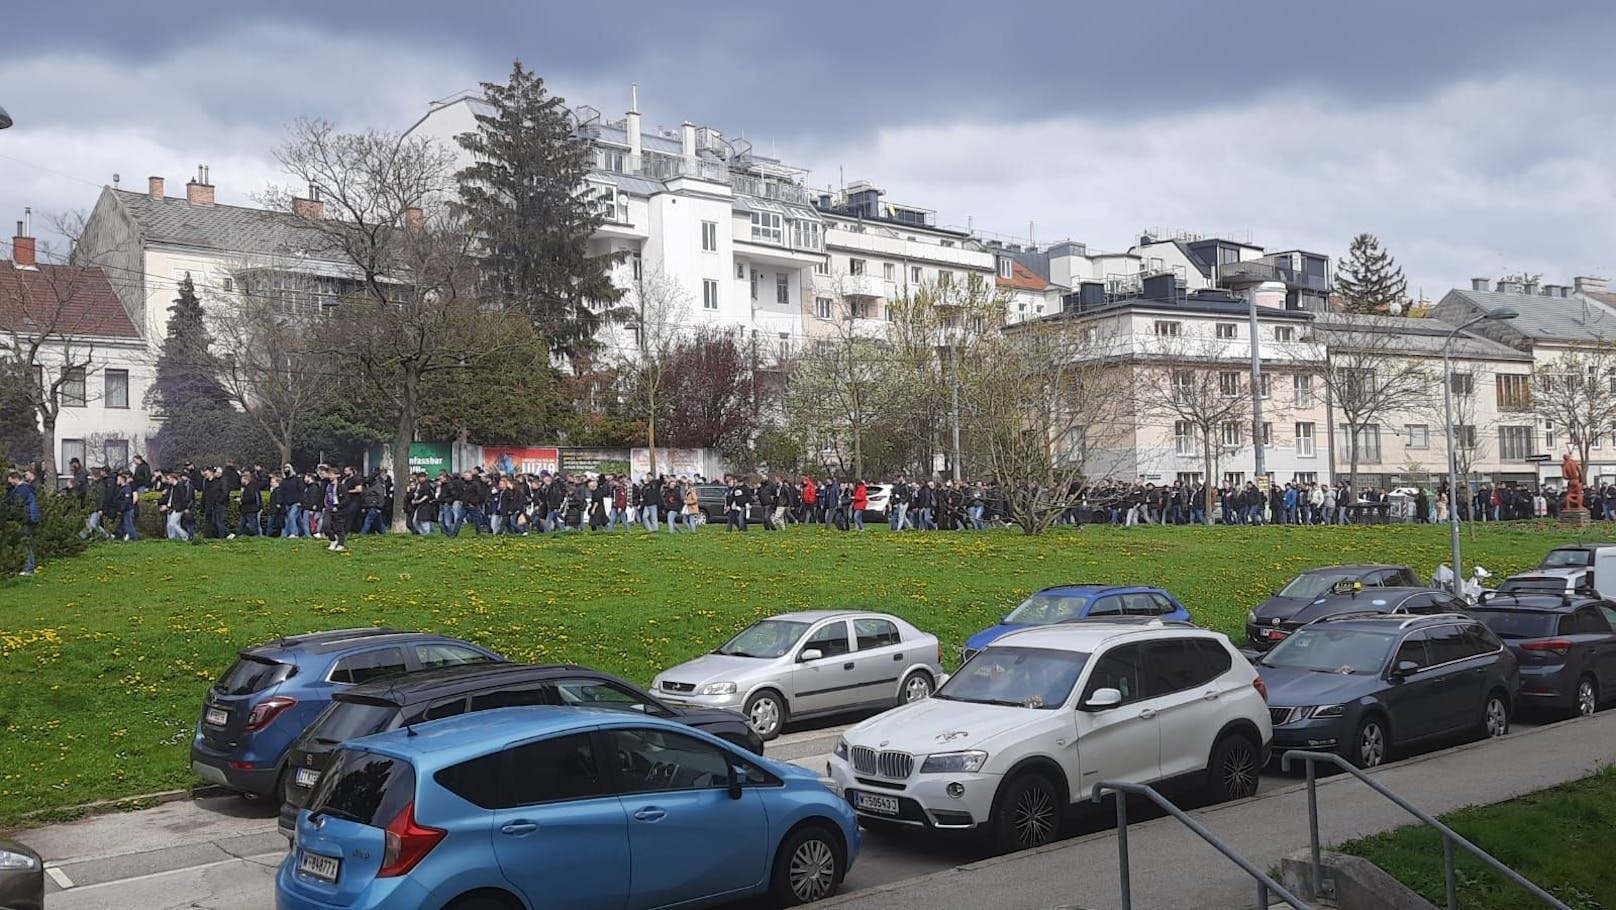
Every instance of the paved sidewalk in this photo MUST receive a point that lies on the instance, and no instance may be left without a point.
(1172, 868)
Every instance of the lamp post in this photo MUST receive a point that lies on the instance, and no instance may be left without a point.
(1453, 457)
(1258, 467)
(5, 118)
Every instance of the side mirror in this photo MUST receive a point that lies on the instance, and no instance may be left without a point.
(1402, 670)
(1103, 699)
(734, 782)
(809, 655)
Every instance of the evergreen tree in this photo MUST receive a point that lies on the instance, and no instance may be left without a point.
(1369, 280)
(522, 199)
(187, 373)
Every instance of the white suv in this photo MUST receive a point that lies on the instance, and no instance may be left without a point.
(1031, 723)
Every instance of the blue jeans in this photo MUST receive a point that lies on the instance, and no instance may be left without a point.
(127, 526)
(28, 548)
(673, 520)
(294, 521)
(648, 516)
(926, 523)
(176, 526)
(373, 519)
(858, 519)
(248, 525)
(975, 512)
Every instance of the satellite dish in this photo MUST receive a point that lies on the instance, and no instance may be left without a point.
(5, 118)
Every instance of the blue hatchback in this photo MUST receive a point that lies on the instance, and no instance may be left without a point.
(253, 713)
(561, 808)
(1065, 603)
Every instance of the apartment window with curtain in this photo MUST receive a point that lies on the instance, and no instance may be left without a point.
(1003, 265)
(1367, 443)
(1267, 435)
(1548, 436)
(766, 227)
(1183, 386)
(709, 236)
(1514, 392)
(1167, 329)
(1229, 384)
(822, 307)
(1183, 437)
(117, 452)
(1284, 333)
(1228, 330)
(115, 392)
(889, 271)
(71, 449)
(1304, 440)
(782, 288)
(74, 391)
(1302, 389)
(1464, 435)
(1229, 434)
(709, 294)
(1417, 436)
(914, 278)
(1514, 443)
(855, 266)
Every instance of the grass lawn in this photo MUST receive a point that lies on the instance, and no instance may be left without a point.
(104, 658)
(1558, 838)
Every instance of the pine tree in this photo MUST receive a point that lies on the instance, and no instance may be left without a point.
(521, 197)
(187, 372)
(1369, 280)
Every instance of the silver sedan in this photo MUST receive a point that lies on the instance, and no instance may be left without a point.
(810, 663)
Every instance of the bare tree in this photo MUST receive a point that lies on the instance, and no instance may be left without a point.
(1372, 372)
(1576, 392)
(645, 344)
(1192, 384)
(837, 389)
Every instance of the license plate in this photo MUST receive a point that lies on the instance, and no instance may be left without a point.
(216, 717)
(871, 802)
(1277, 634)
(323, 868)
(208, 772)
(307, 777)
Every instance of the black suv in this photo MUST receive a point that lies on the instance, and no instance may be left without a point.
(1565, 645)
(1363, 685)
(1269, 617)
(419, 697)
(1355, 601)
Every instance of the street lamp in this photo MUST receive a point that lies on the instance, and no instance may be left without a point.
(5, 118)
(1453, 458)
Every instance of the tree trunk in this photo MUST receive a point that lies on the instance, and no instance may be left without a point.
(408, 403)
(283, 447)
(650, 440)
(47, 449)
(1211, 473)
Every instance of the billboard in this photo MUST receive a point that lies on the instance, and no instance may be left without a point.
(669, 462)
(521, 459)
(430, 457)
(592, 461)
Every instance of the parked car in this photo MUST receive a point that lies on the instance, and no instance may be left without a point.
(710, 499)
(389, 704)
(1030, 724)
(1366, 601)
(1565, 646)
(1364, 686)
(22, 877)
(1587, 568)
(1313, 584)
(263, 702)
(562, 807)
(1064, 603)
(879, 501)
(810, 663)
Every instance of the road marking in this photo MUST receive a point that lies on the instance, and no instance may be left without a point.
(267, 860)
(59, 877)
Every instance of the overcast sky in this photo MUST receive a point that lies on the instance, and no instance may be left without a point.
(1475, 138)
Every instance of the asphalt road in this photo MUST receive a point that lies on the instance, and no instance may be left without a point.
(222, 851)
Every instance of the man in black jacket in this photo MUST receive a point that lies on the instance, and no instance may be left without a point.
(736, 500)
(215, 497)
(768, 495)
(176, 505)
(292, 497)
(251, 502)
(123, 506)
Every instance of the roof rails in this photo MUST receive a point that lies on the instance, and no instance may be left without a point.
(332, 635)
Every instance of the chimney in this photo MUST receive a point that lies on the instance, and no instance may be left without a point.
(154, 188)
(1509, 287)
(199, 191)
(688, 137)
(22, 248)
(1481, 284)
(414, 218)
(1587, 283)
(634, 149)
(1529, 287)
(1160, 287)
(312, 209)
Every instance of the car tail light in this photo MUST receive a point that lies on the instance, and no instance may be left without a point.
(407, 843)
(1560, 646)
(264, 713)
(1261, 687)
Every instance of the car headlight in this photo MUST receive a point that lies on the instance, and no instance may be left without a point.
(13, 860)
(841, 749)
(724, 688)
(954, 762)
(1251, 617)
(1323, 711)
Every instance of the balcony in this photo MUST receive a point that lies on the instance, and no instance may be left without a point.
(668, 167)
(863, 286)
(1255, 270)
(763, 188)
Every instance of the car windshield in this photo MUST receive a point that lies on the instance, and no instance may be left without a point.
(1567, 559)
(1518, 623)
(1311, 584)
(1533, 586)
(251, 674)
(364, 787)
(766, 638)
(1044, 609)
(343, 720)
(1016, 677)
(1330, 650)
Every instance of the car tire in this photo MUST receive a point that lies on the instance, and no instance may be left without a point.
(1495, 715)
(766, 711)
(1027, 813)
(1586, 700)
(482, 902)
(1372, 744)
(917, 686)
(808, 866)
(1234, 768)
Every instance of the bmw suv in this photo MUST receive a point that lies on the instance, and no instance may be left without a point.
(261, 704)
(1031, 723)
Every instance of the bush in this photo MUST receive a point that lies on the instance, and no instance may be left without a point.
(56, 536)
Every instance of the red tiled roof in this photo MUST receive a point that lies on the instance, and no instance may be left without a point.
(1023, 279)
(61, 300)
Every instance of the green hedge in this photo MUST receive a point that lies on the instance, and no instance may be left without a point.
(56, 537)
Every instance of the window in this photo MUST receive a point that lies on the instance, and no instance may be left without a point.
(1167, 329)
(1229, 434)
(889, 271)
(1358, 384)
(822, 307)
(1585, 621)
(1464, 435)
(822, 267)
(875, 633)
(638, 265)
(945, 278)
(1417, 436)
(766, 227)
(513, 698)
(1304, 440)
(115, 392)
(1229, 384)
(855, 266)
(610, 160)
(1183, 438)
(1107, 606)
(1302, 389)
(444, 655)
(709, 236)
(1267, 435)
(1228, 330)
(367, 666)
(584, 692)
(73, 391)
(755, 274)
(1183, 386)
(71, 449)
(1188, 478)
(1175, 664)
(1514, 443)
(1413, 651)
(858, 308)
(1464, 384)
(1234, 478)
(1306, 477)
(1120, 669)
(830, 640)
(659, 761)
(1003, 265)
(548, 771)
(1265, 385)
(116, 452)
(978, 324)
(1514, 392)
(1284, 333)
(914, 277)
(709, 294)
(1367, 443)
(451, 708)
(740, 270)
(1446, 644)
(805, 235)
(1548, 435)
(782, 288)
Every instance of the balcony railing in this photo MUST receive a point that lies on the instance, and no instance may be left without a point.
(667, 167)
(768, 189)
(1256, 270)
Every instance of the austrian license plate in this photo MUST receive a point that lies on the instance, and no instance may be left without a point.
(873, 802)
(307, 777)
(216, 717)
(323, 868)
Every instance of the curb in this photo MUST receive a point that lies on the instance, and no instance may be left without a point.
(66, 814)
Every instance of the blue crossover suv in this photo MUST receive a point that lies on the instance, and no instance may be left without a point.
(253, 713)
(553, 807)
(1066, 603)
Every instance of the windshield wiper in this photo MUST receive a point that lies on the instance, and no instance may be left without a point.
(735, 653)
(335, 813)
(996, 701)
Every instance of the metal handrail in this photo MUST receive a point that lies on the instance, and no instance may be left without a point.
(1264, 883)
(1449, 836)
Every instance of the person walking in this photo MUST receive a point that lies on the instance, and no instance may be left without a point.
(251, 503)
(176, 503)
(859, 500)
(22, 493)
(736, 500)
(123, 508)
(692, 507)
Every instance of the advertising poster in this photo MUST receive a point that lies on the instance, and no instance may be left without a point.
(430, 457)
(521, 460)
(669, 462)
(589, 461)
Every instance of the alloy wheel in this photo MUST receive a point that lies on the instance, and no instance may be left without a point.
(1034, 817)
(1587, 698)
(1371, 745)
(1240, 770)
(1497, 717)
(813, 870)
(917, 688)
(765, 716)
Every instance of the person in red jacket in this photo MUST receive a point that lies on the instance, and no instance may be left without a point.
(810, 496)
(861, 501)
